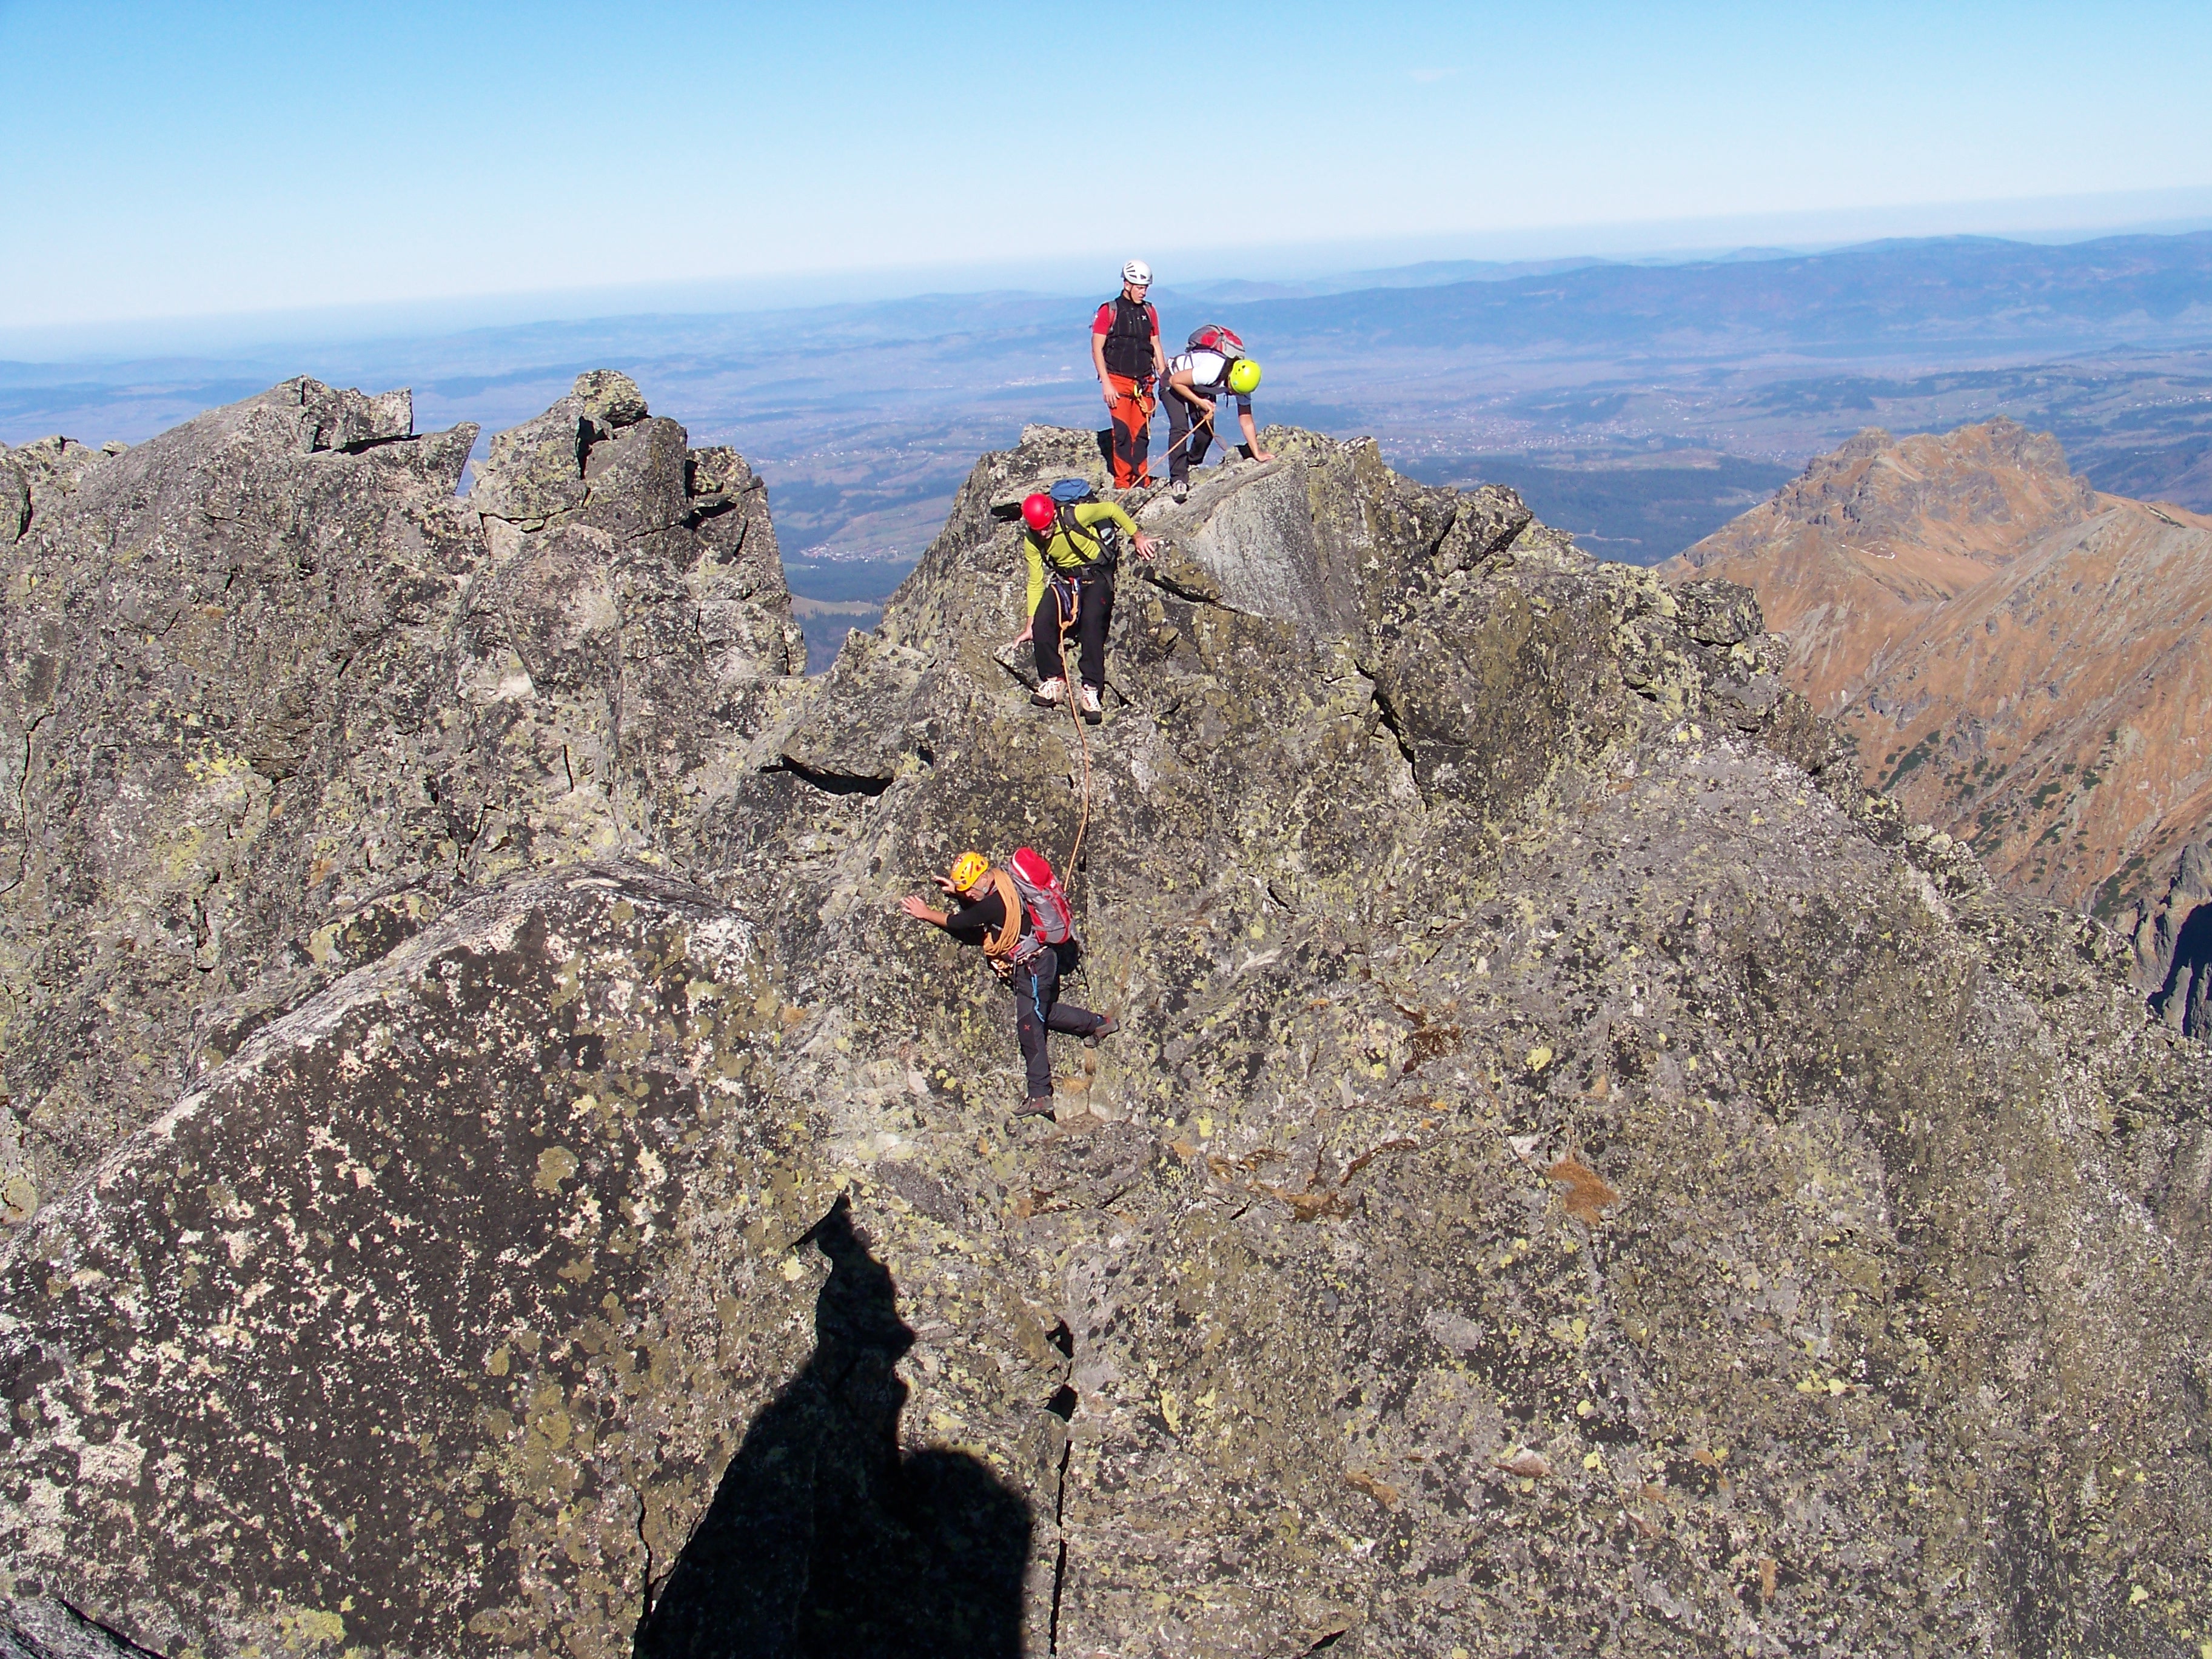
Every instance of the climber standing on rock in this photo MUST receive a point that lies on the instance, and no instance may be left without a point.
(1125, 348)
(993, 910)
(1212, 367)
(1069, 543)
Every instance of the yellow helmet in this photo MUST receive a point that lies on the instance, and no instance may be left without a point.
(969, 869)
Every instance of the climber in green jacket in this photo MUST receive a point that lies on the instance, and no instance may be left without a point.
(1069, 547)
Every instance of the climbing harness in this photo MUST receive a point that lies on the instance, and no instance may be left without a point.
(1067, 601)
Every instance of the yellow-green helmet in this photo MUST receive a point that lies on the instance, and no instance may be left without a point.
(969, 869)
(1243, 376)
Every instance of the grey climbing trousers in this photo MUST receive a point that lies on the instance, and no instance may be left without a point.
(1037, 1010)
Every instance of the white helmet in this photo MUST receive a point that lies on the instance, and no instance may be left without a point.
(1136, 274)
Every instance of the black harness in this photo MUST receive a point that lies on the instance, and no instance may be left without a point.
(1106, 539)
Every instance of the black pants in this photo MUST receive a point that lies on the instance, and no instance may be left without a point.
(1188, 443)
(1037, 1009)
(1094, 613)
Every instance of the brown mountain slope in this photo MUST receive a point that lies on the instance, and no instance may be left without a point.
(2020, 659)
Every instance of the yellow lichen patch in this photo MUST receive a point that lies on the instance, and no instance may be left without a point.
(555, 1165)
(310, 1628)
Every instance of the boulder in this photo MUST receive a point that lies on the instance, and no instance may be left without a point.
(381, 1337)
(609, 398)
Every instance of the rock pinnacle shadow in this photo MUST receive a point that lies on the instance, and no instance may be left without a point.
(823, 1538)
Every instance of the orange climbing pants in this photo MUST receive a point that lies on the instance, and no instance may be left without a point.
(1132, 430)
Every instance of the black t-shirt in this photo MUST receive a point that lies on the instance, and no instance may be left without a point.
(971, 924)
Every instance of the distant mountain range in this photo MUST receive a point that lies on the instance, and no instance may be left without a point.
(1635, 404)
(1980, 292)
(2021, 659)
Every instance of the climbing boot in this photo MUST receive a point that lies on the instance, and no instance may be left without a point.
(1038, 1106)
(1051, 694)
(1086, 699)
(1106, 1027)
(1179, 488)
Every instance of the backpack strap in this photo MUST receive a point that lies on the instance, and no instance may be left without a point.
(1074, 528)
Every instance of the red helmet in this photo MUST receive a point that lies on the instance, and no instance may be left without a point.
(1038, 512)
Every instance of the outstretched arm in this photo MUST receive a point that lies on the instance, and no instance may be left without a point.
(1252, 436)
(1033, 585)
(920, 909)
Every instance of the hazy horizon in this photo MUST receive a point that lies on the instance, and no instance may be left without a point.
(2034, 220)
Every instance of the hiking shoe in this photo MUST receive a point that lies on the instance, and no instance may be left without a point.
(1180, 491)
(1086, 699)
(1036, 1106)
(1106, 1027)
(1050, 695)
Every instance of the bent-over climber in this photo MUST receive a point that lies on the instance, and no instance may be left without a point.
(989, 912)
(1212, 367)
(1068, 547)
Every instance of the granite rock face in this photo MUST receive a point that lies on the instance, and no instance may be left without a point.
(491, 1324)
(1577, 1174)
(273, 693)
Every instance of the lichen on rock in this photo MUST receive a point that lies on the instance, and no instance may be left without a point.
(1577, 1173)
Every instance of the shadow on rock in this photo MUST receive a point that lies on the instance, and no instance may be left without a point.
(823, 1538)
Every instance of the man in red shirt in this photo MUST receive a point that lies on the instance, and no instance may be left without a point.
(1125, 346)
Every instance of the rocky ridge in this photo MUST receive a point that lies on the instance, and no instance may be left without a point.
(276, 695)
(2019, 659)
(1579, 1174)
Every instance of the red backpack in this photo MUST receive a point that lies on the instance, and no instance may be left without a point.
(1043, 896)
(1214, 337)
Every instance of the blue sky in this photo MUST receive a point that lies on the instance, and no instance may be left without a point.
(181, 159)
